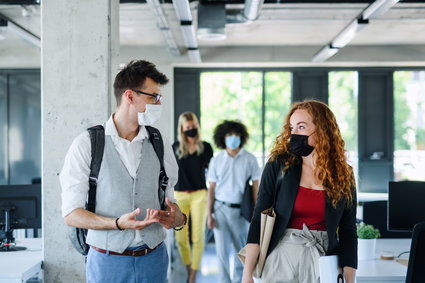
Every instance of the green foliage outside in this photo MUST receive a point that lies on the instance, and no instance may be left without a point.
(343, 102)
(238, 96)
(365, 231)
(232, 96)
(277, 103)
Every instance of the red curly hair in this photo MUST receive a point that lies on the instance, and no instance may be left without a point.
(331, 165)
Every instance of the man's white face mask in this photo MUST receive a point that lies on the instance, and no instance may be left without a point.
(151, 115)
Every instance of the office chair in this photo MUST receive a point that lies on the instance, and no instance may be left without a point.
(416, 266)
(375, 213)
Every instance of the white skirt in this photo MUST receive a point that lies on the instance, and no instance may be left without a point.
(296, 258)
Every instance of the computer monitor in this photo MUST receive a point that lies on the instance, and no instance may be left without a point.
(20, 208)
(406, 206)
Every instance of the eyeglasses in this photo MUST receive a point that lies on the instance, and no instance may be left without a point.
(157, 96)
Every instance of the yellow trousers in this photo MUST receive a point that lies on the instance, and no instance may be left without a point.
(194, 205)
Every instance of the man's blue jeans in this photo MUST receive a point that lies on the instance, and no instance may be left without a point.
(103, 268)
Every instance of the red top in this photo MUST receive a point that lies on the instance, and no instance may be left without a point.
(309, 208)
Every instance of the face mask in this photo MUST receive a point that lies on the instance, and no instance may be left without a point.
(233, 142)
(299, 145)
(151, 115)
(191, 133)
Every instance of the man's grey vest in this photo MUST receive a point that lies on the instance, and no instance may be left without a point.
(118, 193)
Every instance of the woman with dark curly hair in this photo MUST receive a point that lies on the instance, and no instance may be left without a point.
(227, 176)
(315, 204)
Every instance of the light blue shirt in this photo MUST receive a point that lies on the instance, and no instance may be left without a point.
(231, 173)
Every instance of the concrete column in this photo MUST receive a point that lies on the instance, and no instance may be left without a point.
(80, 41)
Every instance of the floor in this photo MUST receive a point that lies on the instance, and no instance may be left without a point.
(208, 272)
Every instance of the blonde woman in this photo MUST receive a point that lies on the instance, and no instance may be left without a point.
(193, 156)
(315, 205)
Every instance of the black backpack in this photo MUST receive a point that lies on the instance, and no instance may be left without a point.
(97, 138)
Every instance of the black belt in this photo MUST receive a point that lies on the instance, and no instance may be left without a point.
(232, 205)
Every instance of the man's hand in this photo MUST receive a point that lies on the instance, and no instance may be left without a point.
(129, 221)
(212, 223)
(172, 217)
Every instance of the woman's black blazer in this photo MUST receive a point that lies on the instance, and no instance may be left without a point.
(340, 220)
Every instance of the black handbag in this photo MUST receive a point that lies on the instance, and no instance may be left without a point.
(247, 204)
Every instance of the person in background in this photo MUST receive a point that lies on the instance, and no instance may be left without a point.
(227, 177)
(315, 205)
(193, 157)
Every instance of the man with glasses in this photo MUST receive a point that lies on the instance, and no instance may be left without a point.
(126, 232)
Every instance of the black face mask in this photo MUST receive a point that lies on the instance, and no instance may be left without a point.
(299, 145)
(191, 133)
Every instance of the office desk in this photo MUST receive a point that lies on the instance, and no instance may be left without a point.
(383, 271)
(21, 265)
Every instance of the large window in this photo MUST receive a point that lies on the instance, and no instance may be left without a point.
(241, 96)
(378, 110)
(20, 127)
(343, 97)
(409, 125)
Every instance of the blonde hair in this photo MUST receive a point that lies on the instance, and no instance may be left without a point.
(331, 163)
(183, 149)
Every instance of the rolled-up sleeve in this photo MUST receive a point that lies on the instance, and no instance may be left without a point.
(75, 174)
(264, 200)
(255, 169)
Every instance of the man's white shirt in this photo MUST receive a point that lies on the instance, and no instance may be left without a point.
(231, 173)
(76, 169)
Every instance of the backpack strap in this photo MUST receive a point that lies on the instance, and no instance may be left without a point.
(97, 138)
(158, 145)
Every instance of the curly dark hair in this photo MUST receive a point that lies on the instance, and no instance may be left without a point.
(134, 74)
(227, 127)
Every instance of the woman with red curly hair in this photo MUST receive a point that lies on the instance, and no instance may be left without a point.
(315, 203)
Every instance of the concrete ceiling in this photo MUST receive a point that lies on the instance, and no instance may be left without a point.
(278, 25)
(286, 25)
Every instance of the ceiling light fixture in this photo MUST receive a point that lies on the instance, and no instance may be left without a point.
(184, 14)
(378, 8)
(348, 33)
(182, 8)
(194, 55)
(324, 54)
(21, 31)
(374, 10)
(252, 9)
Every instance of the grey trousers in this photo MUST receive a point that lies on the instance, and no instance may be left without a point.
(296, 258)
(230, 236)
